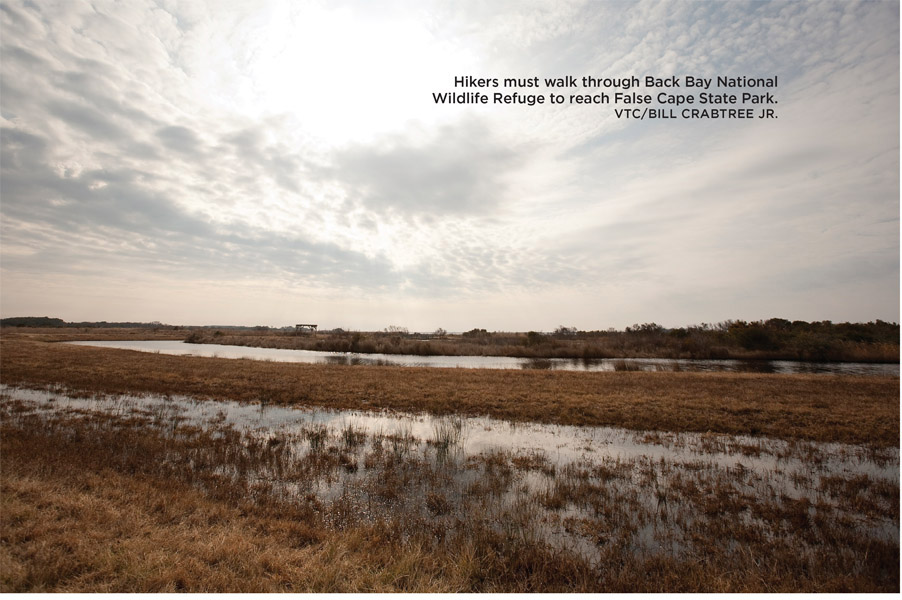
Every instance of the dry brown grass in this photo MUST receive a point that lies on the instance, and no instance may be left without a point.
(121, 503)
(72, 334)
(102, 506)
(861, 410)
(116, 503)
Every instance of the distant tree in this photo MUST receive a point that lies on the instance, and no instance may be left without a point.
(564, 331)
(32, 322)
(397, 329)
(645, 328)
(753, 336)
(475, 333)
(779, 324)
(534, 338)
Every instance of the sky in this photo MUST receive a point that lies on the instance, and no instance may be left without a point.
(280, 162)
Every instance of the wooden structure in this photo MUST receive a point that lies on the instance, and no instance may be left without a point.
(304, 328)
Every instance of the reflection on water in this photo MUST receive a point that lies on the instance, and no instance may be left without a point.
(758, 366)
(500, 362)
(537, 363)
(565, 484)
(475, 435)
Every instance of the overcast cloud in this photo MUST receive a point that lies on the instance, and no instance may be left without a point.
(279, 162)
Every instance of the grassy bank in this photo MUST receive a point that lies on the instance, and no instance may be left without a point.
(808, 407)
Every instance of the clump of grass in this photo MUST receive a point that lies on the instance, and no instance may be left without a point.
(351, 436)
(318, 436)
(447, 431)
(534, 460)
(437, 503)
(401, 441)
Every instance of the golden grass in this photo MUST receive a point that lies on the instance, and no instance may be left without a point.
(861, 410)
(118, 504)
(129, 504)
(94, 508)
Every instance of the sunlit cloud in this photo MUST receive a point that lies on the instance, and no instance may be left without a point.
(291, 153)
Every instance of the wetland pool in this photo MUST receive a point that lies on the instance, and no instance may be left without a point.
(176, 347)
(581, 489)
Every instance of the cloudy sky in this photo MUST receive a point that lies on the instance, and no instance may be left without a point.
(275, 162)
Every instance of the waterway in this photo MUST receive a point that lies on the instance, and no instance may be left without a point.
(499, 362)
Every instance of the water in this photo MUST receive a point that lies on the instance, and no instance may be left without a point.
(497, 362)
(558, 444)
(549, 480)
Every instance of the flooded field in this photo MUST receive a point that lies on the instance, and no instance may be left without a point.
(176, 347)
(594, 492)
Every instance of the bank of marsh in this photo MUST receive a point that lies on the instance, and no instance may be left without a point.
(862, 410)
(128, 471)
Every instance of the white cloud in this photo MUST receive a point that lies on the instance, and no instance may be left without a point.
(177, 147)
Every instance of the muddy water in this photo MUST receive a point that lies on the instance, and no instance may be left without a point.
(496, 362)
(519, 477)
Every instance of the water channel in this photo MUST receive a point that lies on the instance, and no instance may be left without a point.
(498, 362)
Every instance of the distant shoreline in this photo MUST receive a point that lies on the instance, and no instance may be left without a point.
(772, 340)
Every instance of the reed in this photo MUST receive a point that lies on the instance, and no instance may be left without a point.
(802, 407)
(124, 502)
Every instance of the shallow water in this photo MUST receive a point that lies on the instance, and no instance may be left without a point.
(564, 485)
(495, 362)
(559, 444)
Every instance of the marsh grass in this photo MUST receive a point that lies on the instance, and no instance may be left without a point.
(501, 520)
(141, 499)
(844, 409)
(447, 431)
(352, 436)
(318, 436)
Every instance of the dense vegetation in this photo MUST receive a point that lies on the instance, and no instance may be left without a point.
(33, 322)
(774, 339)
(54, 322)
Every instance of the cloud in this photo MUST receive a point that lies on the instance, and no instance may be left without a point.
(89, 120)
(117, 219)
(180, 139)
(457, 170)
(207, 143)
